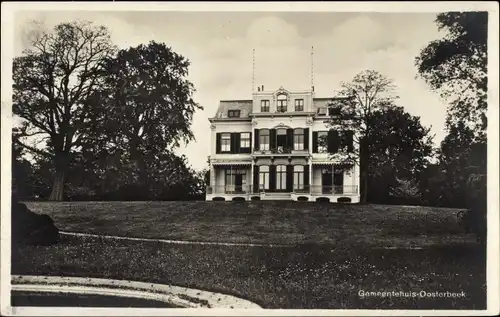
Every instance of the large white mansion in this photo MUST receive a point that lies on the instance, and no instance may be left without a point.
(267, 148)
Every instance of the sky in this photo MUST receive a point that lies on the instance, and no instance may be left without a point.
(219, 46)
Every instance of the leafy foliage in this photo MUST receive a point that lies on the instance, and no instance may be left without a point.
(388, 142)
(456, 66)
(110, 120)
(52, 79)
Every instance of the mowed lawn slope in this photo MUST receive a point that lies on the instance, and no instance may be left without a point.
(334, 252)
(287, 223)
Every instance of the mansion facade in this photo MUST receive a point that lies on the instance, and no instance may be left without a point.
(270, 148)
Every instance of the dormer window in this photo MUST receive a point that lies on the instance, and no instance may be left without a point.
(264, 106)
(281, 103)
(233, 113)
(299, 104)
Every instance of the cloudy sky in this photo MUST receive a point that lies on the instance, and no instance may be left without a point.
(219, 46)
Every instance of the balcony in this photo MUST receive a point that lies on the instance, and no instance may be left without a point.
(305, 189)
(229, 189)
(327, 190)
(280, 150)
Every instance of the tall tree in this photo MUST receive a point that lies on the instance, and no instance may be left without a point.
(52, 81)
(400, 148)
(368, 92)
(456, 66)
(148, 104)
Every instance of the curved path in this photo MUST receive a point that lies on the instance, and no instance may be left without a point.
(175, 295)
(229, 244)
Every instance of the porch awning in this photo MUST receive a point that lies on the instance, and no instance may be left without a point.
(232, 163)
(323, 163)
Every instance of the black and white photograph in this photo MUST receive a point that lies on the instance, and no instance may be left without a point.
(291, 158)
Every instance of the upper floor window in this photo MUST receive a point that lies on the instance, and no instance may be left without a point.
(299, 104)
(225, 142)
(281, 103)
(264, 106)
(264, 140)
(322, 141)
(281, 139)
(245, 140)
(233, 113)
(298, 139)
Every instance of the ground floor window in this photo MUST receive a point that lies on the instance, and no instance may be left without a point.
(298, 177)
(235, 179)
(281, 177)
(264, 177)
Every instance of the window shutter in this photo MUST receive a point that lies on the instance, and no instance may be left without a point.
(256, 178)
(333, 141)
(250, 142)
(350, 141)
(233, 138)
(218, 143)
(306, 175)
(289, 138)
(272, 177)
(256, 139)
(289, 177)
(306, 139)
(315, 142)
(237, 142)
(272, 138)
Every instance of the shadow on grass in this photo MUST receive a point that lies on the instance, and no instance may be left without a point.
(308, 276)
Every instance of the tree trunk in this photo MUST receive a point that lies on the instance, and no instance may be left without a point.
(57, 193)
(61, 161)
(364, 186)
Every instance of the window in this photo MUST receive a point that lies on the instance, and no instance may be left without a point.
(245, 140)
(322, 141)
(281, 177)
(233, 113)
(281, 141)
(235, 179)
(298, 177)
(226, 142)
(321, 111)
(264, 140)
(264, 106)
(299, 104)
(334, 111)
(281, 103)
(298, 139)
(264, 177)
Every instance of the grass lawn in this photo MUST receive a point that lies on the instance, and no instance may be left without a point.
(333, 251)
(260, 222)
(295, 277)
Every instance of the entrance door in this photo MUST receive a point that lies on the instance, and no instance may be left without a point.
(338, 183)
(326, 181)
(238, 183)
